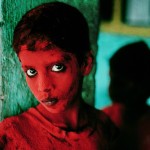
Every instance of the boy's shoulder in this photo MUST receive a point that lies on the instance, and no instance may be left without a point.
(12, 123)
(7, 130)
(99, 115)
(15, 127)
(8, 123)
(104, 123)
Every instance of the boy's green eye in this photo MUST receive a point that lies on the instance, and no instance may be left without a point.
(31, 72)
(58, 68)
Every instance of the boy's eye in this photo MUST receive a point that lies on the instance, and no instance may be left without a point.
(31, 72)
(58, 68)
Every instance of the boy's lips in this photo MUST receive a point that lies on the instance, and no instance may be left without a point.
(49, 101)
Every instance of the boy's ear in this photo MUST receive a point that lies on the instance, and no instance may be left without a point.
(87, 64)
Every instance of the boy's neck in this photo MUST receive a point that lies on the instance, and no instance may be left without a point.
(73, 118)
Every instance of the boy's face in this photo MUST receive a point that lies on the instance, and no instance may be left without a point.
(53, 76)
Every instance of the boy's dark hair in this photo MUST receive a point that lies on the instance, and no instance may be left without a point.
(58, 23)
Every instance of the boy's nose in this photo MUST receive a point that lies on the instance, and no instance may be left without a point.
(44, 84)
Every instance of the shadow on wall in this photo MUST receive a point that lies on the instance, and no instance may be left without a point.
(108, 44)
(129, 90)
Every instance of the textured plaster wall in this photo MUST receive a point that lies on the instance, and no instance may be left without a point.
(15, 93)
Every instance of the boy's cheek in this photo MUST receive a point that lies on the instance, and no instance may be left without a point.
(31, 84)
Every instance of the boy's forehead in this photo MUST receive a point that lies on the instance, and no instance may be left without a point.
(38, 45)
(55, 52)
(42, 44)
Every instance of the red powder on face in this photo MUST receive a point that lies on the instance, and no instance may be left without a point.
(53, 79)
(62, 120)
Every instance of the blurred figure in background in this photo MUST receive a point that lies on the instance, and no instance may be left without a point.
(129, 90)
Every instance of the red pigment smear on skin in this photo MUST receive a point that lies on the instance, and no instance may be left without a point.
(48, 84)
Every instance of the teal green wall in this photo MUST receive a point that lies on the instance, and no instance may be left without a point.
(17, 97)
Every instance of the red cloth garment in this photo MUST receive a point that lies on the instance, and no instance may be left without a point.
(115, 112)
(32, 130)
(134, 125)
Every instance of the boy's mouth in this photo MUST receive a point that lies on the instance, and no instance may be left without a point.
(49, 101)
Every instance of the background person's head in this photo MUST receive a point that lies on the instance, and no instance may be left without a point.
(130, 74)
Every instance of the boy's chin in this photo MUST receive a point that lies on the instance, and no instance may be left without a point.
(53, 110)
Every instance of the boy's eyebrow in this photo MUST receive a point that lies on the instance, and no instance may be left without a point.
(25, 66)
(66, 57)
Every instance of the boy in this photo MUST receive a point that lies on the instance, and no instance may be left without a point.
(52, 43)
